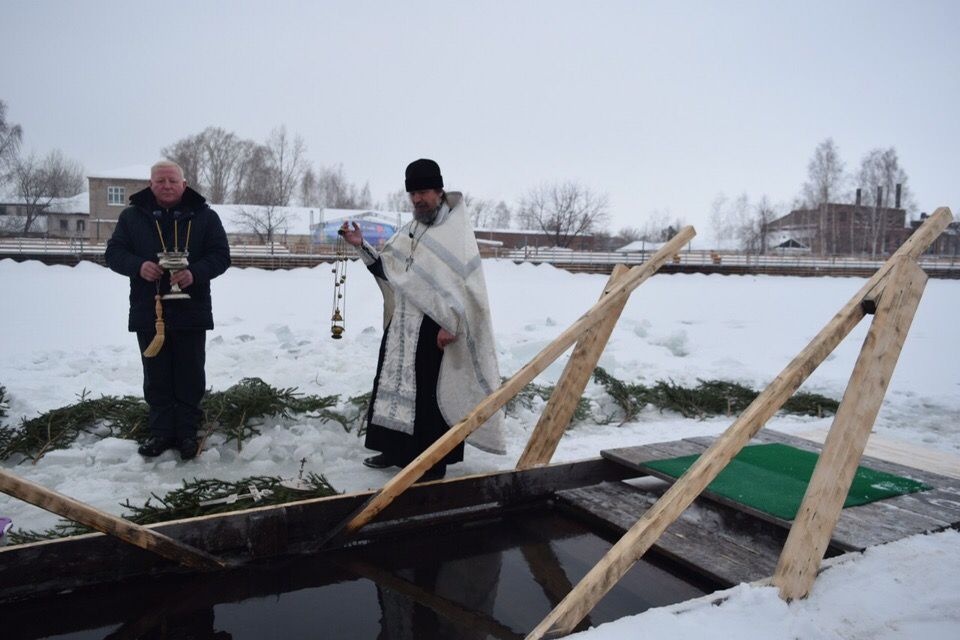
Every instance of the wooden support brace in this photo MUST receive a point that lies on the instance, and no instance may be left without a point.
(827, 491)
(102, 521)
(675, 500)
(566, 395)
(496, 400)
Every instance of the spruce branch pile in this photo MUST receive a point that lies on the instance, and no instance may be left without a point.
(185, 503)
(354, 415)
(236, 412)
(527, 397)
(708, 398)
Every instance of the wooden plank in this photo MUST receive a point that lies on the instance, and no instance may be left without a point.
(569, 389)
(634, 544)
(56, 565)
(717, 543)
(902, 452)
(837, 464)
(496, 400)
(635, 457)
(125, 530)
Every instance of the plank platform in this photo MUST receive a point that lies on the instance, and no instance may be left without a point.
(859, 527)
(716, 542)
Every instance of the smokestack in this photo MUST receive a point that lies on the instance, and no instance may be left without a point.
(898, 194)
(858, 196)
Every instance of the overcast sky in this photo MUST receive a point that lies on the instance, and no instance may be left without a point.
(661, 105)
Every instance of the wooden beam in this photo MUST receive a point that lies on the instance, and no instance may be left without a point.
(566, 395)
(812, 528)
(652, 524)
(102, 521)
(496, 400)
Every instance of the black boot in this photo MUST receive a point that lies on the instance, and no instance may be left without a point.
(156, 445)
(379, 461)
(189, 448)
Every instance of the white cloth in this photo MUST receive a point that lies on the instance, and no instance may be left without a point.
(444, 280)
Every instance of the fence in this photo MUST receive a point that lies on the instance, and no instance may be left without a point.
(279, 256)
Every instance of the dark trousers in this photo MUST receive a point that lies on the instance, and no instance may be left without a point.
(174, 382)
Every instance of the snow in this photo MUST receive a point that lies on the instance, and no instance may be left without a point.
(63, 331)
(129, 172)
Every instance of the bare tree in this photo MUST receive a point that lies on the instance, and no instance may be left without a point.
(11, 136)
(564, 211)
(37, 182)
(264, 221)
(748, 224)
(630, 234)
(881, 168)
(286, 164)
(255, 183)
(189, 154)
(398, 200)
(222, 151)
(660, 226)
(502, 216)
(825, 176)
(825, 183)
(330, 187)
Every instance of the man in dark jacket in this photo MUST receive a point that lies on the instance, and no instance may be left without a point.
(169, 216)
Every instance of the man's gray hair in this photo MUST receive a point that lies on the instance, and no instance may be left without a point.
(163, 164)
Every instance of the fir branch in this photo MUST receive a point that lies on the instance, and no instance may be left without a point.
(708, 398)
(354, 416)
(236, 412)
(185, 503)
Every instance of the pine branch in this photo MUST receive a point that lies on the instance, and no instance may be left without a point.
(236, 412)
(185, 503)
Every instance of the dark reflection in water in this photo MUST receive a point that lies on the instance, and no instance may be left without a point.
(495, 579)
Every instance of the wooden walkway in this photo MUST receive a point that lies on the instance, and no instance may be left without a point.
(731, 543)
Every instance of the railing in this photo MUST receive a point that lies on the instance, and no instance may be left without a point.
(718, 259)
(279, 256)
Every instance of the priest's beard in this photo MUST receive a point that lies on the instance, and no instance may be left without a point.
(427, 216)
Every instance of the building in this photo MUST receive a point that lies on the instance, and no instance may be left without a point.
(58, 218)
(842, 229)
(110, 192)
(947, 243)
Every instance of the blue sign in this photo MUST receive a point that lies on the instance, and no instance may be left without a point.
(376, 233)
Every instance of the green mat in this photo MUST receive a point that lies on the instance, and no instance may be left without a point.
(773, 478)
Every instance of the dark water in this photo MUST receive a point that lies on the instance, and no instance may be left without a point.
(496, 579)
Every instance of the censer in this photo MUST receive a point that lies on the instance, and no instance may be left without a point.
(337, 324)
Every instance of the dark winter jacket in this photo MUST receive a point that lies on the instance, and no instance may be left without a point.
(136, 240)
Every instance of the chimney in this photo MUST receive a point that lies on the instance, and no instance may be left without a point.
(879, 196)
(858, 196)
(898, 195)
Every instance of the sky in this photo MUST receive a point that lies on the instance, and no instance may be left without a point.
(660, 105)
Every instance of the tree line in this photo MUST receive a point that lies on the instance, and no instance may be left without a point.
(264, 177)
(874, 182)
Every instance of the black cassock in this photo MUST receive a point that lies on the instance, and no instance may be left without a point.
(428, 423)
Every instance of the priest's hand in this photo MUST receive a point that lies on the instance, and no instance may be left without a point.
(150, 271)
(183, 278)
(444, 338)
(352, 236)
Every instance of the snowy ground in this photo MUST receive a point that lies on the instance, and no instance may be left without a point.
(63, 330)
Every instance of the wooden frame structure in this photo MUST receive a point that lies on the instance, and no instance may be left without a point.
(893, 292)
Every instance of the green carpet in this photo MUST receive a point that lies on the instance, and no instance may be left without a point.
(773, 478)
